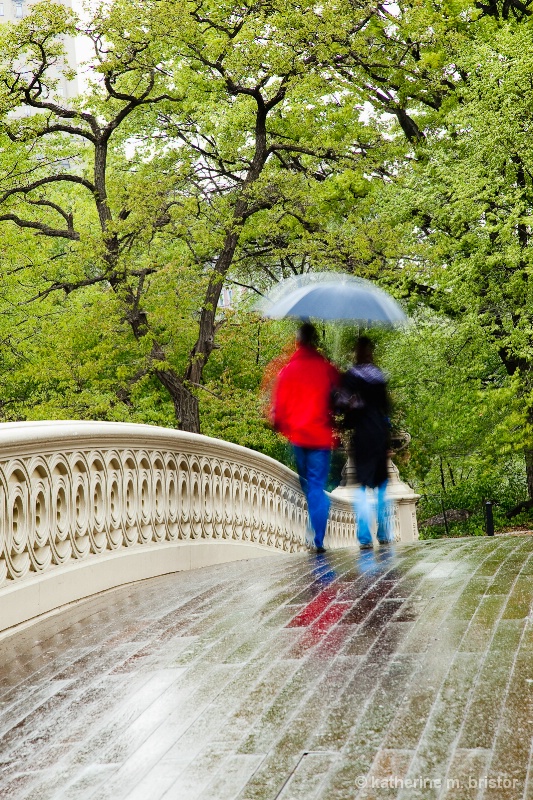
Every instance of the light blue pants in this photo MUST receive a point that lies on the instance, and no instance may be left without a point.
(313, 471)
(364, 513)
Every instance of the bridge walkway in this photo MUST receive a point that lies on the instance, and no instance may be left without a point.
(402, 672)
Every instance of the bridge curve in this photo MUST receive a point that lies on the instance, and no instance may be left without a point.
(88, 506)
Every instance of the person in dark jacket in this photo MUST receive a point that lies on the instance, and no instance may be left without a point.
(301, 411)
(368, 418)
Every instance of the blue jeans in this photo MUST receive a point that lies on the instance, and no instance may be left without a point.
(363, 514)
(313, 471)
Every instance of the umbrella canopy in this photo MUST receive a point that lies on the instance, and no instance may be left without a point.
(332, 296)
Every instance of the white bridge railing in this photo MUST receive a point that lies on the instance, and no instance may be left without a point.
(87, 506)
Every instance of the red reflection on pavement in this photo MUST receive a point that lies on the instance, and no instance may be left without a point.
(318, 630)
(313, 609)
(329, 618)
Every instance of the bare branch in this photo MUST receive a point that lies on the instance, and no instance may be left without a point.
(294, 148)
(67, 287)
(245, 286)
(201, 386)
(48, 204)
(43, 181)
(65, 113)
(46, 230)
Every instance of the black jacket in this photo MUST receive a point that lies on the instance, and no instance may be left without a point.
(369, 423)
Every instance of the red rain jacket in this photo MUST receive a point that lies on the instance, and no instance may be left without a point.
(301, 402)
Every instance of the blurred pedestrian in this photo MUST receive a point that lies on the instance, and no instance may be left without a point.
(366, 414)
(301, 411)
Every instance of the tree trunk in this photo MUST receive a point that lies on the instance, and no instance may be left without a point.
(206, 334)
(185, 403)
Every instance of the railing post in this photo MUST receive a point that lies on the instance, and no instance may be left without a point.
(405, 499)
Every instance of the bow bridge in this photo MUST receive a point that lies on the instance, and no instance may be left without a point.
(88, 506)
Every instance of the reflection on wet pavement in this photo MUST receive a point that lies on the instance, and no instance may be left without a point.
(398, 673)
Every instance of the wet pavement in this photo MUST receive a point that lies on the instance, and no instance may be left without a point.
(398, 673)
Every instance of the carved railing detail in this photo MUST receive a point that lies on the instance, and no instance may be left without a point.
(75, 491)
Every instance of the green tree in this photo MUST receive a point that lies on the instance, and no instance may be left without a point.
(467, 206)
(197, 122)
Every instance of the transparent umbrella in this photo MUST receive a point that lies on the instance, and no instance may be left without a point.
(332, 296)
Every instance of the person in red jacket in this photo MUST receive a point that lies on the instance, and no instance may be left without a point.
(301, 411)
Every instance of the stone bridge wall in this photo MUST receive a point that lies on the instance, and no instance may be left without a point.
(88, 506)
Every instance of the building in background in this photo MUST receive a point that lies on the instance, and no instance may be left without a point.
(226, 298)
(14, 10)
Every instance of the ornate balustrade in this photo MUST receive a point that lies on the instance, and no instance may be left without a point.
(87, 506)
